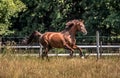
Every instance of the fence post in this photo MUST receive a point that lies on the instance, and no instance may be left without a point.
(101, 48)
(97, 42)
(0, 43)
(40, 52)
(119, 51)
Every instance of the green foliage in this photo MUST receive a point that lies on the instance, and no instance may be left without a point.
(25, 16)
(102, 15)
(3, 28)
(8, 9)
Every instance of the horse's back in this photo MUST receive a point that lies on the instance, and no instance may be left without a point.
(54, 39)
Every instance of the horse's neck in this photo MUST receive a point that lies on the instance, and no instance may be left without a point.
(69, 32)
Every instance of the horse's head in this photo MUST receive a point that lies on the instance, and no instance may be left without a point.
(34, 37)
(78, 25)
(81, 26)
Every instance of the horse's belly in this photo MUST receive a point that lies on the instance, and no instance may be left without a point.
(57, 41)
(57, 46)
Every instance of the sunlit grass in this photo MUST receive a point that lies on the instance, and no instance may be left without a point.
(59, 67)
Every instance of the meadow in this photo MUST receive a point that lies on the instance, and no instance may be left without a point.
(59, 67)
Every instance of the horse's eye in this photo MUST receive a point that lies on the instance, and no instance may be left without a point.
(82, 27)
(78, 23)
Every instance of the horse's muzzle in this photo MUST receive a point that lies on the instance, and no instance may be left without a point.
(85, 33)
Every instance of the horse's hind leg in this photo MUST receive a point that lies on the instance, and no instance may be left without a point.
(46, 52)
(71, 53)
(43, 54)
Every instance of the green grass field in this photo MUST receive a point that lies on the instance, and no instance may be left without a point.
(59, 67)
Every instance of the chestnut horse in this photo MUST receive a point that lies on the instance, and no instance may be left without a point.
(64, 39)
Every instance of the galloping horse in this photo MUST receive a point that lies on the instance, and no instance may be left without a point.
(64, 39)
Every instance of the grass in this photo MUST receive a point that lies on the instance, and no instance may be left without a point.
(59, 67)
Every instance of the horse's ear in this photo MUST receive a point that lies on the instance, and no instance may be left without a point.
(81, 20)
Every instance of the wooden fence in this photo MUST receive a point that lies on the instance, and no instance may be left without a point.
(97, 46)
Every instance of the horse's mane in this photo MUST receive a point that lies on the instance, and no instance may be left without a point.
(69, 24)
(72, 22)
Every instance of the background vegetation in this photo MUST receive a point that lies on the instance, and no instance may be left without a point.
(20, 17)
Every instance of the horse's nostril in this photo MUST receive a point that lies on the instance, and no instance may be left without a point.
(85, 33)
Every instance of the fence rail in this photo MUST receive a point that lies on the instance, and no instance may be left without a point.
(66, 54)
(98, 45)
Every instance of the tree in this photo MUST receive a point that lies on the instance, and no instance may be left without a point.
(51, 15)
(8, 9)
(102, 15)
(45, 15)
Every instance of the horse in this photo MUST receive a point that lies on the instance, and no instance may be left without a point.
(64, 39)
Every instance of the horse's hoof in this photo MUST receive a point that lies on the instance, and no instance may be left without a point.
(83, 57)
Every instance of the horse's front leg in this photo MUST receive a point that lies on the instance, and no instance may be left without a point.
(70, 48)
(80, 51)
